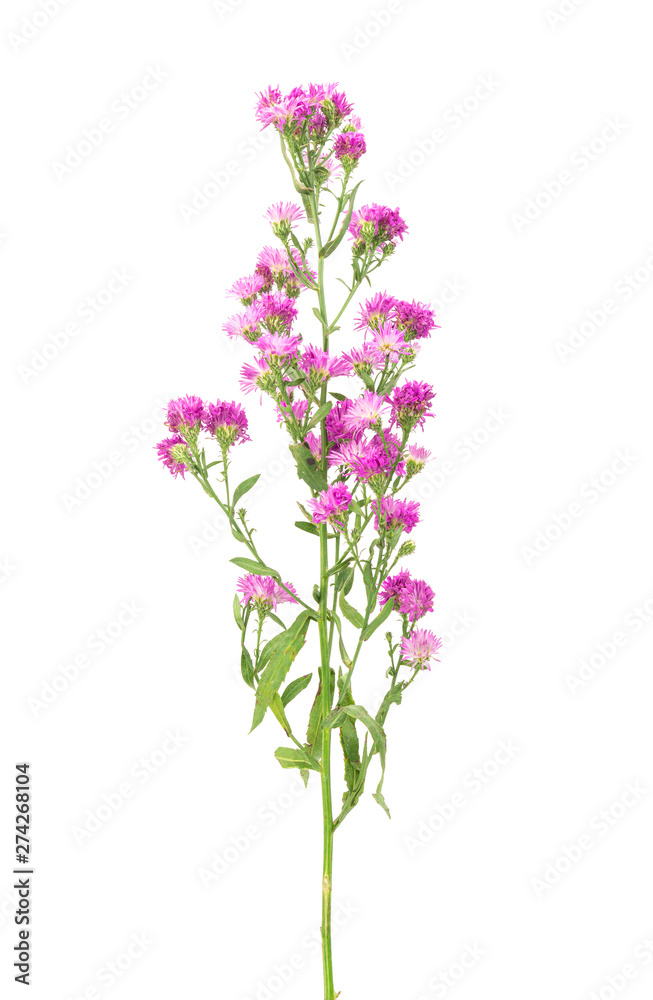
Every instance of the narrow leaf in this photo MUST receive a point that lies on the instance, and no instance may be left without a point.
(254, 567)
(379, 620)
(307, 526)
(294, 688)
(244, 488)
(332, 245)
(319, 414)
(294, 757)
(247, 667)
(308, 469)
(350, 613)
(238, 615)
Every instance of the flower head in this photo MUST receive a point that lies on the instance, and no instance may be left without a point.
(416, 460)
(264, 592)
(283, 216)
(185, 416)
(174, 454)
(246, 289)
(331, 505)
(411, 404)
(393, 586)
(277, 312)
(364, 360)
(319, 366)
(389, 342)
(336, 427)
(395, 515)
(366, 411)
(227, 422)
(257, 375)
(348, 148)
(377, 225)
(278, 346)
(246, 325)
(415, 600)
(420, 647)
(415, 319)
(375, 311)
(298, 410)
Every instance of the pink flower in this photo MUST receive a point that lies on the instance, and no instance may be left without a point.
(277, 312)
(395, 515)
(376, 225)
(247, 325)
(264, 592)
(411, 404)
(335, 421)
(389, 342)
(349, 147)
(298, 409)
(246, 289)
(185, 414)
(364, 359)
(393, 586)
(173, 452)
(257, 375)
(366, 411)
(330, 505)
(415, 600)
(278, 346)
(283, 216)
(314, 445)
(420, 647)
(227, 422)
(375, 311)
(417, 459)
(318, 108)
(319, 366)
(415, 319)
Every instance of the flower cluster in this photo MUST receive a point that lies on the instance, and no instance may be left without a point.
(187, 417)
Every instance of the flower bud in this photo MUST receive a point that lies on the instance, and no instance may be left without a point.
(406, 549)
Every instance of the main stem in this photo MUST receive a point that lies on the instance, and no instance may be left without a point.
(327, 695)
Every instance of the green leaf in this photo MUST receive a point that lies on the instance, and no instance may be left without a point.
(351, 751)
(307, 526)
(307, 468)
(333, 244)
(356, 507)
(254, 567)
(369, 581)
(388, 608)
(393, 697)
(286, 647)
(319, 415)
(238, 615)
(339, 396)
(319, 315)
(294, 688)
(238, 535)
(246, 667)
(294, 757)
(375, 730)
(276, 705)
(350, 613)
(277, 620)
(378, 797)
(338, 566)
(244, 488)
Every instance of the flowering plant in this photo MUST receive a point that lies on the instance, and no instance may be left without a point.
(354, 452)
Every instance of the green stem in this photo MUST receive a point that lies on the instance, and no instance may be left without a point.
(327, 805)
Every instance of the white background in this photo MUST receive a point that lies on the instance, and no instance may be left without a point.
(521, 602)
